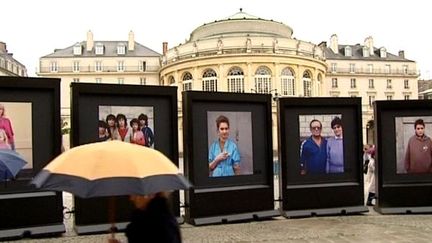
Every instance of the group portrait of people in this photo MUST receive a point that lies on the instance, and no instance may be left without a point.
(320, 154)
(224, 156)
(129, 129)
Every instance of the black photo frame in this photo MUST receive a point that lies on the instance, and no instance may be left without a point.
(321, 193)
(45, 216)
(223, 198)
(399, 192)
(86, 100)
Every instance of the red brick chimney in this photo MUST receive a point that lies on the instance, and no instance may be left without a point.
(164, 48)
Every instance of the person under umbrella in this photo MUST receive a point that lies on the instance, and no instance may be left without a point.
(152, 220)
(102, 169)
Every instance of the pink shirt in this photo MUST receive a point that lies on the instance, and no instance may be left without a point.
(6, 125)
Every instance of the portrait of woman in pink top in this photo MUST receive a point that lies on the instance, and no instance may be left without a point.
(6, 125)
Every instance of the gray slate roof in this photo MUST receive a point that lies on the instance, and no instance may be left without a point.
(110, 50)
(357, 54)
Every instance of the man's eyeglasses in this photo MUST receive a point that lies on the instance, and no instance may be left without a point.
(316, 128)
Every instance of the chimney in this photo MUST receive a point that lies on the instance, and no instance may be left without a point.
(3, 47)
(131, 41)
(323, 44)
(164, 48)
(369, 43)
(402, 53)
(334, 46)
(90, 42)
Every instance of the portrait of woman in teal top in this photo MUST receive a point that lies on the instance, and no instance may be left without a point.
(224, 156)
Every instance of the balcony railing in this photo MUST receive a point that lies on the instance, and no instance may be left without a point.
(377, 71)
(104, 69)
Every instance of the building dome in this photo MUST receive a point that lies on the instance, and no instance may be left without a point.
(241, 24)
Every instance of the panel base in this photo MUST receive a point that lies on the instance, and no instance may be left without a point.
(32, 231)
(235, 217)
(403, 210)
(105, 228)
(325, 211)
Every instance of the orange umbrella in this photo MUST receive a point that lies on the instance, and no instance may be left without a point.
(111, 168)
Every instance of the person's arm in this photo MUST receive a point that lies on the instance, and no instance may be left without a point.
(150, 137)
(407, 157)
(235, 156)
(302, 158)
(328, 157)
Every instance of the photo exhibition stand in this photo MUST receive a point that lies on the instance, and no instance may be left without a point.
(91, 103)
(398, 190)
(245, 191)
(307, 188)
(24, 210)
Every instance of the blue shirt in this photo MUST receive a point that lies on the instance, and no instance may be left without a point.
(313, 158)
(225, 167)
(335, 157)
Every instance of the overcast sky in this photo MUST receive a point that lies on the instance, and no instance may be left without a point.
(32, 29)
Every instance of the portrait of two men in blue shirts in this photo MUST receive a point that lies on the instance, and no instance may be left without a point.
(321, 154)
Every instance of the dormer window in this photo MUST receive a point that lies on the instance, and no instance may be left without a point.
(383, 52)
(121, 49)
(99, 49)
(77, 49)
(365, 51)
(348, 51)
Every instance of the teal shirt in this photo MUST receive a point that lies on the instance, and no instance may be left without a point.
(225, 167)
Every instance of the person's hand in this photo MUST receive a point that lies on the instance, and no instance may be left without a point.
(222, 156)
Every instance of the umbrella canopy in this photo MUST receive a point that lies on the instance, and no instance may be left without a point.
(111, 168)
(10, 164)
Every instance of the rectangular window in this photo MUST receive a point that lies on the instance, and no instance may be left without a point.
(99, 49)
(53, 67)
(76, 80)
(76, 66)
(333, 67)
(371, 83)
(98, 66)
(121, 50)
(405, 69)
(389, 83)
(387, 68)
(143, 81)
(370, 68)
(389, 97)
(142, 66)
(406, 97)
(120, 80)
(353, 83)
(334, 83)
(406, 84)
(352, 67)
(98, 80)
(371, 100)
(120, 66)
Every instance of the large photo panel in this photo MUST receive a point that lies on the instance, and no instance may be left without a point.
(404, 158)
(228, 156)
(320, 149)
(30, 137)
(145, 115)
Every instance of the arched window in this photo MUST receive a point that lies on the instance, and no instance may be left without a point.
(235, 80)
(209, 81)
(263, 80)
(287, 82)
(187, 81)
(171, 81)
(307, 83)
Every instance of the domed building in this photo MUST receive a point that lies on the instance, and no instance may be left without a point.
(245, 54)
